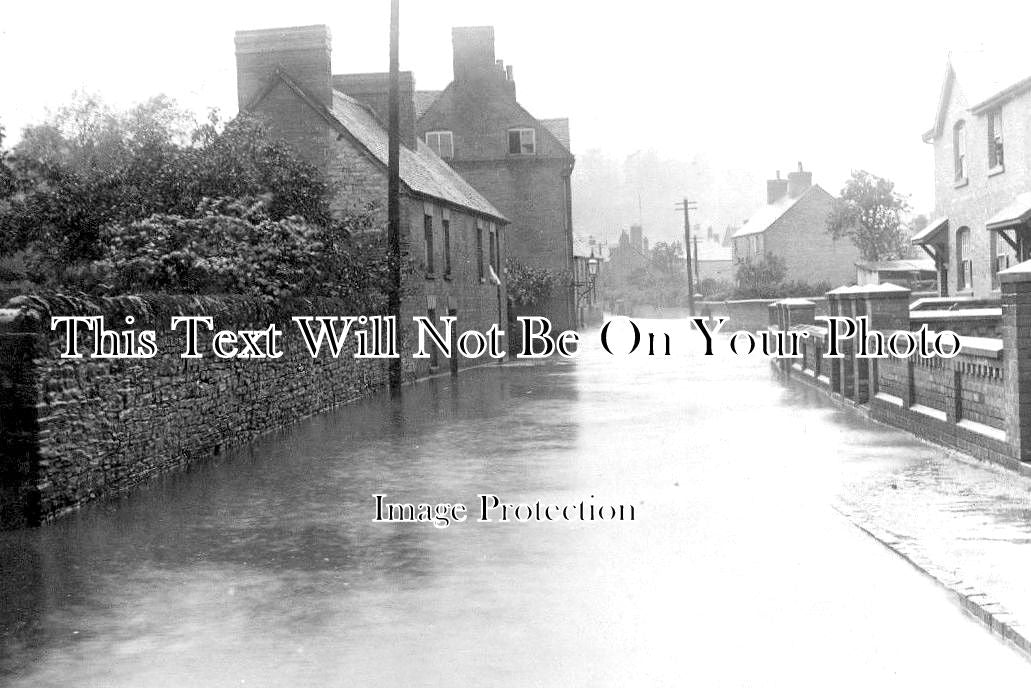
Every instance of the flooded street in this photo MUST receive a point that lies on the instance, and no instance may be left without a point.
(264, 568)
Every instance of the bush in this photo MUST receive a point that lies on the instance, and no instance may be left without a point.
(526, 285)
(235, 247)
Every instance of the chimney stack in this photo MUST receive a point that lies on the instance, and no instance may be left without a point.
(474, 53)
(799, 182)
(301, 52)
(776, 189)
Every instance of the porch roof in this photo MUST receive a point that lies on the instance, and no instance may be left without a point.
(1016, 213)
(930, 233)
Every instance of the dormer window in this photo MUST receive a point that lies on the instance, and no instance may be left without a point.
(442, 143)
(522, 141)
(959, 150)
(995, 156)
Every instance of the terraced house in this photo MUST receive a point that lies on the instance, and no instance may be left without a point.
(982, 173)
(453, 235)
(520, 163)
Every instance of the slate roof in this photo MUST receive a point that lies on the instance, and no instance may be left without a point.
(1016, 213)
(766, 216)
(930, 232)
(422, 170)
(559, 127)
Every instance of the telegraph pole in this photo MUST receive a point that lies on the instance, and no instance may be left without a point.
(688, 206)
(394, 192)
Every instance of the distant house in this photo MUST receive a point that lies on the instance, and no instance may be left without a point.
(793, 226)
(982, 172)
(713, 260)
(520, 163)
(454, 236)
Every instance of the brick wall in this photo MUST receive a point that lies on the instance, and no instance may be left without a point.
(532, 191)
(971, 202)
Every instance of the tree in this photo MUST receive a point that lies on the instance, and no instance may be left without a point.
(869, 212)
(88, 166)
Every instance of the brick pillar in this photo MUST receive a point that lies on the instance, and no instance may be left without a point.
(887, 306)
(799, 312)
(1016, 344)
(833, 364)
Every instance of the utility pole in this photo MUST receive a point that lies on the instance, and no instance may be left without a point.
(697, 272)
(394, 192)
(688, 206)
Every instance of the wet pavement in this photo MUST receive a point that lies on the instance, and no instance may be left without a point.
(265, 569)
(965, 523)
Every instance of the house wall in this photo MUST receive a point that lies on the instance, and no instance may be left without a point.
(801, 239)
(532, 191)
(972, 202)
(716, 269)
(478, 304)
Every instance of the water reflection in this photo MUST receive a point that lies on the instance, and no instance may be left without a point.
(264, 568)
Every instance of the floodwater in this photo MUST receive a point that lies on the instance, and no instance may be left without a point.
(265, 568)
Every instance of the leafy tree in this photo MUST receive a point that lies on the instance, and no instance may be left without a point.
(668, 258)
(527, 285)
(869, 212)
(88, 166)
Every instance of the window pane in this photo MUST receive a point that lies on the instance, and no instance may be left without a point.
(447, 145)
(446, 225)
(428, 235)
(514, 142)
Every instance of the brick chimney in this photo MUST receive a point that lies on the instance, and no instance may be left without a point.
(799, 181)
(374, 91)
(473, 53)
(474, 60)
(776, 189)
(302, 52)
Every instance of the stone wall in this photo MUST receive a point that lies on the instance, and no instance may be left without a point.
(75, 429)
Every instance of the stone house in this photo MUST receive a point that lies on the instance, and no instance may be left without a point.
(452, 234)
(520, 163)
(793, 226)
(982, 174)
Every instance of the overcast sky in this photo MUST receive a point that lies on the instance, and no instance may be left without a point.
(749, 85)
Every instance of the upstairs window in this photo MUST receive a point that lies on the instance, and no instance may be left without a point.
(995, 153)
(964, 274)
(442, 143)
(959, 150)
(427, 229)
(522, 141)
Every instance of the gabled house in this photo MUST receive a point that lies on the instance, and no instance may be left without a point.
(982, 173)
(520, 163)
(793, 227)
(452, 234)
